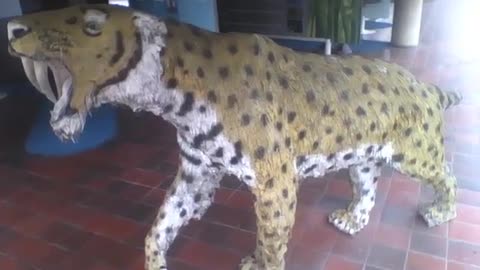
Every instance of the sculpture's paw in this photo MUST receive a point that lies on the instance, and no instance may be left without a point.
(347, 222)
(438, 213)
(156, 263)
(249, 263)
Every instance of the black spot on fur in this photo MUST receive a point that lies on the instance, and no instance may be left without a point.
(269, 183)
(331, 78)
(193, 160)
(396, 91)
(425, 126)
(211, 96)
(264, 119)
(302, 134)
(300, 160)
(248, 70)
(256, 49)
(238, 153)
(271, 57)
(284, 168)
(285, 193)
(172, 83)
(344, 95)
(365, 89)
(288, 142)
(358, 136)
(260, 152)
(279, 126)
(408, 132)
(232, 49)
(360, 111)
(207, 53)
(369, 150)
(328, 130)
(291, 116)
(339, 139)
(269, 96)
(183, 213)
(283, 82)
(365, 170)
(310, 169)
(187, 104)
(231, 101)
(310, 96)
(254, 94)
(325, 110)
(306, 68)
(180, 62)
(367, 69)
(214, 131)
(373, 126)
(200, 72)
(348, 71)
(401, 109)
(71, 20)
(219, 152)
(168, 108)
(381, 88)
(223, 72)
(398, 157)
(268, 75)
(348, 156)
(245, 119)
(315, 145)
(188, 46)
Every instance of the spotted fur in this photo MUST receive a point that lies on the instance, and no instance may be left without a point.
(244, 105)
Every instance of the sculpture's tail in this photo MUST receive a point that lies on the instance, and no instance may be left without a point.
(449, 98)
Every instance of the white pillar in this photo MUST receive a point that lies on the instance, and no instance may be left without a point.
(407, 21)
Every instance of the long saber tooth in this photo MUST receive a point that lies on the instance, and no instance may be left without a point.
(60, 77)
(30, 72)
(41, 73)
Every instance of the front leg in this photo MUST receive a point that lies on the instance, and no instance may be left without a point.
(189, 197)
(364, 183)
(276, 199)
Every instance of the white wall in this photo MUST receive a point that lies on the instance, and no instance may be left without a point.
(10, 8)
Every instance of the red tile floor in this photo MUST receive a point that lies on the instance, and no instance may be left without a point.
(91, 211)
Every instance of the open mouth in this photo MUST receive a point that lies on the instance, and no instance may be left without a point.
(48, 77)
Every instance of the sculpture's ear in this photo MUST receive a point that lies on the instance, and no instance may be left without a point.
(150, 27)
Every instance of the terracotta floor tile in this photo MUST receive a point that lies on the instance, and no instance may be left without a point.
(432, 245)
(207, 256)
(468, 197)
(336, 263)
(464, 252)
(461, 266)
(464, 232)
(420, 261)
(305, 259)
(393, 236)
(468, 214)
(386, 257)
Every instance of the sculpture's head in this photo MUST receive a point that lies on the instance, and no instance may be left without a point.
(86, 48)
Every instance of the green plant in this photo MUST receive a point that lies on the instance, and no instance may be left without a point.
(339, 20)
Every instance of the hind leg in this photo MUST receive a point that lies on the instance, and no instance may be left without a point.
(443, 208)
(430, 168)
(364, 183)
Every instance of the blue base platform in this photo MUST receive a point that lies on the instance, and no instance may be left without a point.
(100, 127)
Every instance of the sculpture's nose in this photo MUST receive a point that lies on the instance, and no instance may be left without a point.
(16, 30)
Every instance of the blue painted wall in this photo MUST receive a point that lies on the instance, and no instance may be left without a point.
(10, 8)
(202, 13)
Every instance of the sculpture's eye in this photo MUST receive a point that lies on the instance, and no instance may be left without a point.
(92, 28)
